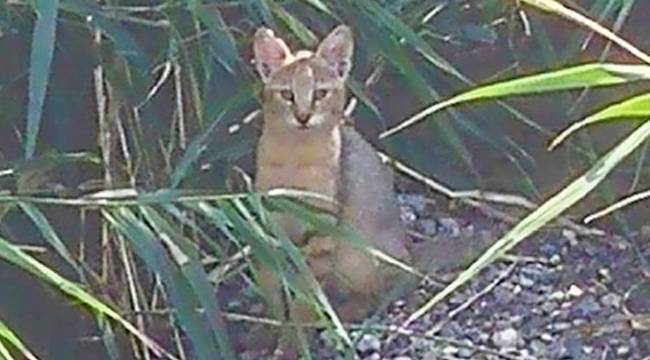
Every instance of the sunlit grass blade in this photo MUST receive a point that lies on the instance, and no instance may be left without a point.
(627, 201)
(4, 352)
(559, 9)
(7, 337)
(634, 107)
(548, 211)
(42, 51)
(149, 248)
(318, 4)
(13, 255)
(576, 77)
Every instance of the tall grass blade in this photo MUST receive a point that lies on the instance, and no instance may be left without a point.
(634, 107)
(186, 257)
(618, 205)
(319, 5)
(222, 44)
(42, 51)
(149, 248)
(403, 31)
(7, 337)
(4, 352)
(576, 77)
(15, 256)
(50, 235)
(296, 26)
(557, 8)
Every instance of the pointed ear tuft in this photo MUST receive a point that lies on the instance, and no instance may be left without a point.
(336, 49)
(270, 52)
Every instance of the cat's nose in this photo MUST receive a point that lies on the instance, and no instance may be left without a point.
(303, 118)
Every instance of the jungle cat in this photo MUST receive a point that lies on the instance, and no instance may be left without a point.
(306, 144)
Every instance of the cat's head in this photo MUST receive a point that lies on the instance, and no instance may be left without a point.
(303, 90)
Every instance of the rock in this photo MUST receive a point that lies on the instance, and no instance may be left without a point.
(407, 214)
(538, 348)
(506, 339)
(573, 347)
(503, 295)
(525, 281)
(373, 356)
(611, 300)
(555, 259)
(556, 296)
(548, 306)
(369, 343)
(449, 226)
(571, 236)
(605, 275)
(429, 226)
(623, 351)
(450, 350)
(465, 353)
(575, 291)
(586, 306)
(560, 326)
(531, 326)
(416, 202)
(546, 337)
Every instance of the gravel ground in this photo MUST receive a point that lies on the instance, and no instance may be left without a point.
(560, 296)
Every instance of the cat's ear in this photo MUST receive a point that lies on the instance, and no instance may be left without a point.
(336, 49)
(270, 52)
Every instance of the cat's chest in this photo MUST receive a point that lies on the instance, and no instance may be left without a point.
(312, 168)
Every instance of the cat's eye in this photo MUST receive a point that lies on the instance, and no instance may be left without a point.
(287, 95)
(320, 94)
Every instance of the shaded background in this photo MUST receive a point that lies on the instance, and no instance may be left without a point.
(482, 146)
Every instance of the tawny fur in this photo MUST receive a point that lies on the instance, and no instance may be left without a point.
(307, 145)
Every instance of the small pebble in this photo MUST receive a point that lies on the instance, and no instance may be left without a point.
(605, 275)
(546, 337)
(571, 236)
(449, 226)
(538, 348)
(556, 296)
(587, 305)
(548, 307)
(465, 353)
(407, 215)
(560, 326)
(555, 259)
(623, 350)
(611, 300)
(506, 339)
(575, 291)
(450, 350)
(373, 356)
(526, 282)
(368, 343)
